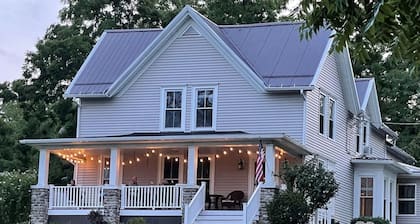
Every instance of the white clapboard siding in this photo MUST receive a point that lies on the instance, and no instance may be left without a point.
(410, 219)
(336, 149)
(88, 173)
(190, 61)
(378, 144)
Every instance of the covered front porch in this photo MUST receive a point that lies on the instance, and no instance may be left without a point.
(157, 175)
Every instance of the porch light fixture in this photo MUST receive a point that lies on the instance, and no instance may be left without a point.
(241, 164)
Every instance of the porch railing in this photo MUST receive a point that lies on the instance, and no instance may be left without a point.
(151, 197)
(252, 207)
(76, 197)
(197, 204)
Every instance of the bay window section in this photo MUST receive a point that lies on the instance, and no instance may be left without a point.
(366, 196)
(406, 199)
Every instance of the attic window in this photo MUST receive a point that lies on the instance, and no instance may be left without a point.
(173, 109)
(327, 112)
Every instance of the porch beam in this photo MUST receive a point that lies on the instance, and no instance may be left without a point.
(192, 165)
(43, 168)
(270, 161)
(115, 167)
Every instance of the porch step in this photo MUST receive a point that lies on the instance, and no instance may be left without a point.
(220, 217)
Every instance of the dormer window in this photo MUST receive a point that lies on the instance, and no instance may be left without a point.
(327, 115)
(204, 106)
(362, 137)
(173, 109)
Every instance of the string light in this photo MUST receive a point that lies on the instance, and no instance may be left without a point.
(231, 149)
(130, 162)
(138, 159)
(217, 156)
(240, 151)
(168, 157)
(201, 160)
(147, 154)
(99, 161)
(209, 158)
(153, 151)
(224, 152)
(160, 154)
(185, 160)
(91, 158)
(123, 163)
(248, 152)
(176, 159)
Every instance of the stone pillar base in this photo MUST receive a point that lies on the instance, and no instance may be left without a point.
(112, 205)
(267, 195)
(39, 205)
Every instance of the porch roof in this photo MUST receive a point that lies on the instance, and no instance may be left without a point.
(171, 140)
(387, 163)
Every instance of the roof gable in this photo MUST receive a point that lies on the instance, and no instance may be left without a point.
(368, 99)
(271, 56)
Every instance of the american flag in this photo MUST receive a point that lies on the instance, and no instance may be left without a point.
(259, 169)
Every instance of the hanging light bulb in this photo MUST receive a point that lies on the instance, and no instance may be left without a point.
(185, 160)
(138, 159)
(107, 163)
(176, 159)
(231, 149)
(248, 152)
(224, 152)
(123, 163)
(201, 160)
(217, 156)
(209, 158)
(130, 161)
(153, 151)
(240, 151)
(160, 154)
(99, 161)
(168, 157)
(91, 158)
(147, 154)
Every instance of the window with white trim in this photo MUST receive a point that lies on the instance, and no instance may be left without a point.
(406, 199)
(171, 167)
(173, 109)
(327, 110)
(362, 137)
(204, 108)
(366, 196)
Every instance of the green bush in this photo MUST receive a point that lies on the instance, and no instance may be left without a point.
(377, 220)
(15, 196)
(285, 203)
(136, 220)
(96, 217)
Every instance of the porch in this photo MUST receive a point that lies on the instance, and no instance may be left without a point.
(150, 176)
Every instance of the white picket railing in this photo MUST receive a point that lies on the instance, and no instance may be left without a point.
(151, 197)
(252, 207)
(197, 204)
(76, 197)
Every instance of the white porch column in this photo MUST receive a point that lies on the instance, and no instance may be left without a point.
(43, 168)
(115, 167)
(270, 161)
(192, 165)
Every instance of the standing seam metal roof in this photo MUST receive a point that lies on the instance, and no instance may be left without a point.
(273, 50)
(361, 88)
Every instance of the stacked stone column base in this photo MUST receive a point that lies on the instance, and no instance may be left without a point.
(39, 205)
(267, 195)
(112, 205)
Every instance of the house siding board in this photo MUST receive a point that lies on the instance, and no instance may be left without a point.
(377, 142)
(335, 150)
(146, 170)
(192, 61)
(410, 219)
(228, 177)
(88, 173)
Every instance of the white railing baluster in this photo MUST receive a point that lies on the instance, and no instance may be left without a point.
(251, 208)
(150, 197)
(196, 205)
(77, 197)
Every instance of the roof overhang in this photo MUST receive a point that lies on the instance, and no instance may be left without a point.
(282, 141)
(400, 154)
(386, 163)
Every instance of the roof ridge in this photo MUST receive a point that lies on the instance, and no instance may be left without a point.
(285, 23)
(133, 30)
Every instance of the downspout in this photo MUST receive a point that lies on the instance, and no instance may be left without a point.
(303, 94)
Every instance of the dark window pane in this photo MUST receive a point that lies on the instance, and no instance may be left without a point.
(169, 100)
(364, 135)
(167, 169)
(208, 118)
(406, 191)
(321, 124)
(209, 101)
(177, 119)
(175, 168)
(331, 109)
(200, 118)
(331, 129)
(178, 99)
(169, 119)
(200, 98)
(357, 143)
(321, 104)
(406, 207)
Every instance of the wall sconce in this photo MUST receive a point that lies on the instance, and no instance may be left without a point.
(241, 164)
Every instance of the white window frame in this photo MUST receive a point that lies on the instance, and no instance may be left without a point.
(406, 199)
(373, 193)
(164, 90)
(326, 115)
(194, 108)
(364, 136)
(161, 168)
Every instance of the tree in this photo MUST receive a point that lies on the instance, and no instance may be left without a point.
(392, 24)
(309, 187)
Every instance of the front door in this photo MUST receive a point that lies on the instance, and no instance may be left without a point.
(203, 171)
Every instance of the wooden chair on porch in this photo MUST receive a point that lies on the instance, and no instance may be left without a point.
(232, 199)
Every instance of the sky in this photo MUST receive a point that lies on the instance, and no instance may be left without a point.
(22, 24)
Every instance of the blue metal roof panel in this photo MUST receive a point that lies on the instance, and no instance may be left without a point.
(361, 88)
(117, 50)
(273, 50)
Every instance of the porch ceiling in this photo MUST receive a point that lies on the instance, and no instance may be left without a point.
(175, 140)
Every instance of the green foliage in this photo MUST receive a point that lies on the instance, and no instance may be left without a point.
(309, 187)
(393, 24)
(96, 217)
(136, 220)
(377, 220)
(15, 199)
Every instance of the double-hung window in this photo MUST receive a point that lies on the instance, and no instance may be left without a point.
(406, 199)
(327, 115)
(366, 196)
(204, 106)
(173, 109)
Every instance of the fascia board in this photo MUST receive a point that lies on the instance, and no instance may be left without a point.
(322, 61)
(82, 68)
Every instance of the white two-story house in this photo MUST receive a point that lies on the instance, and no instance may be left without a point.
(170, 121)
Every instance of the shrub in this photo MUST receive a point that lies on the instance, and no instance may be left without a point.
(309, 187)
(96, 217)
(377, 220)
(15, 197)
